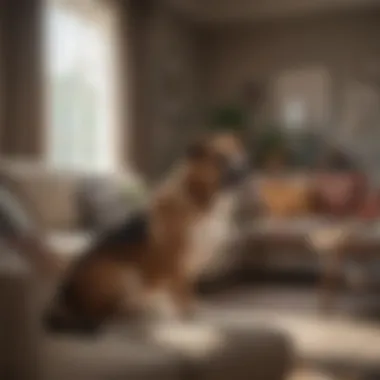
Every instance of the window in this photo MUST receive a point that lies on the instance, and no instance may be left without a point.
(81, 71)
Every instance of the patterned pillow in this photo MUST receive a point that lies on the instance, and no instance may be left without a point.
(339, 194)
(104, 201)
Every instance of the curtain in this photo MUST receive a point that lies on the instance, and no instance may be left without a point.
(135, 59)
(21, 78)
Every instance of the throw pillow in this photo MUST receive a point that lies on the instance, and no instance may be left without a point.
(339, 194)
(285, 197)
(104, 201)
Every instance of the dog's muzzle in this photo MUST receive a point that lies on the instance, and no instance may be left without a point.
(235, 173)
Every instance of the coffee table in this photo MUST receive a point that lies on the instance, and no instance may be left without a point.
(335, 242)
(328, 242)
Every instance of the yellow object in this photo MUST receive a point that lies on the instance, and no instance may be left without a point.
(285, 197)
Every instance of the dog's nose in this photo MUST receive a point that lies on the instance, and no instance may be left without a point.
(239, 162)
(236, 172)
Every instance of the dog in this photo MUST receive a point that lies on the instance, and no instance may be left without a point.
(160, 250)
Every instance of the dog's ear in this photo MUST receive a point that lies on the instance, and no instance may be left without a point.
(196, 150)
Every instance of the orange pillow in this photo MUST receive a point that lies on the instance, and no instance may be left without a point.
(285, 197)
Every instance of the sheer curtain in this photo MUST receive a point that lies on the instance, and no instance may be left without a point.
(81, 85)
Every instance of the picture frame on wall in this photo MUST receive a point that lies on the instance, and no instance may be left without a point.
(302, 98)
(301, 104)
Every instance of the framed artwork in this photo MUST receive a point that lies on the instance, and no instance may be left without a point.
(301, 97)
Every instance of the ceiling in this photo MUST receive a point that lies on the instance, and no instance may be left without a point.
(216, 11)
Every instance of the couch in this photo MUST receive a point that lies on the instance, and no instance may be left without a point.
(29, 352)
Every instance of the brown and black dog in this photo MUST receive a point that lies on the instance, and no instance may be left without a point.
(164, 247)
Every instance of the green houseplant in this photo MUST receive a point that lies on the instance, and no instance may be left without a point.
(229, 117)
(271, 146)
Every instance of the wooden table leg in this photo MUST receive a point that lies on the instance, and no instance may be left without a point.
(329, 284)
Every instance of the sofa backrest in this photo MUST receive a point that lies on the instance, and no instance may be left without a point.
(59, 199)
(51, 195)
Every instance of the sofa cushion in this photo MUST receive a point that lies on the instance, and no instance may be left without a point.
(104, 200)
(339, 194)
(288, 196)
(70, 200)
(107, 358)
(51, 193)
(244, 353)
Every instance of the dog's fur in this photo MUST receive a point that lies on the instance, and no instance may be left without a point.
(164, 246)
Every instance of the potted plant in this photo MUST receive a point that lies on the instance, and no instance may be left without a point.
(229, 117)
(271, 148)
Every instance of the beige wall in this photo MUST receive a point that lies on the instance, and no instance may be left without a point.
(342, 44)
(179, 66)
